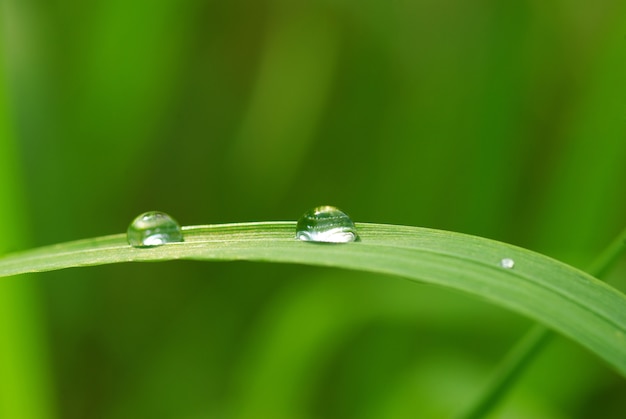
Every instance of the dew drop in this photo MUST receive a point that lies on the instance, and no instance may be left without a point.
(507, 263)
(326, 224)
(153, 228)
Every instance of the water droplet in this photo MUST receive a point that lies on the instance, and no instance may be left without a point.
(326, 224)
(507, 263)
(153, 228)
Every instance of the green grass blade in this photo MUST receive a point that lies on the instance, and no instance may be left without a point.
(532, 344)
(514, 364)
(25, 379)
(561, 297)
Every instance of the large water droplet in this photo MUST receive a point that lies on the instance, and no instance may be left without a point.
(507, 263)
(153, 228)
(326, 224)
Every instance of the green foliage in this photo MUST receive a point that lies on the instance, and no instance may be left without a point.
(496, 119)
(25, 371)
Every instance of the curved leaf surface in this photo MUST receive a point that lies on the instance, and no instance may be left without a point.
(563, 298)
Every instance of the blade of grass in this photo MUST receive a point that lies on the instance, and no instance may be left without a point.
(561, 297)
(509, 370)
(531, 344)
(25, 390)
(285, 104)
(593, 137)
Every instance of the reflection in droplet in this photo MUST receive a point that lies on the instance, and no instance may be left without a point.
(326, 224)
(153, 228)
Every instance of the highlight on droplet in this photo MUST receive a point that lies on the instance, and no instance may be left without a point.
(507, 263)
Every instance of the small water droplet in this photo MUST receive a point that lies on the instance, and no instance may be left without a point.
(326, 224)
(153, 228)
(507, 263)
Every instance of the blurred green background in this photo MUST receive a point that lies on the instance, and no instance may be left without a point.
(501, 119)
